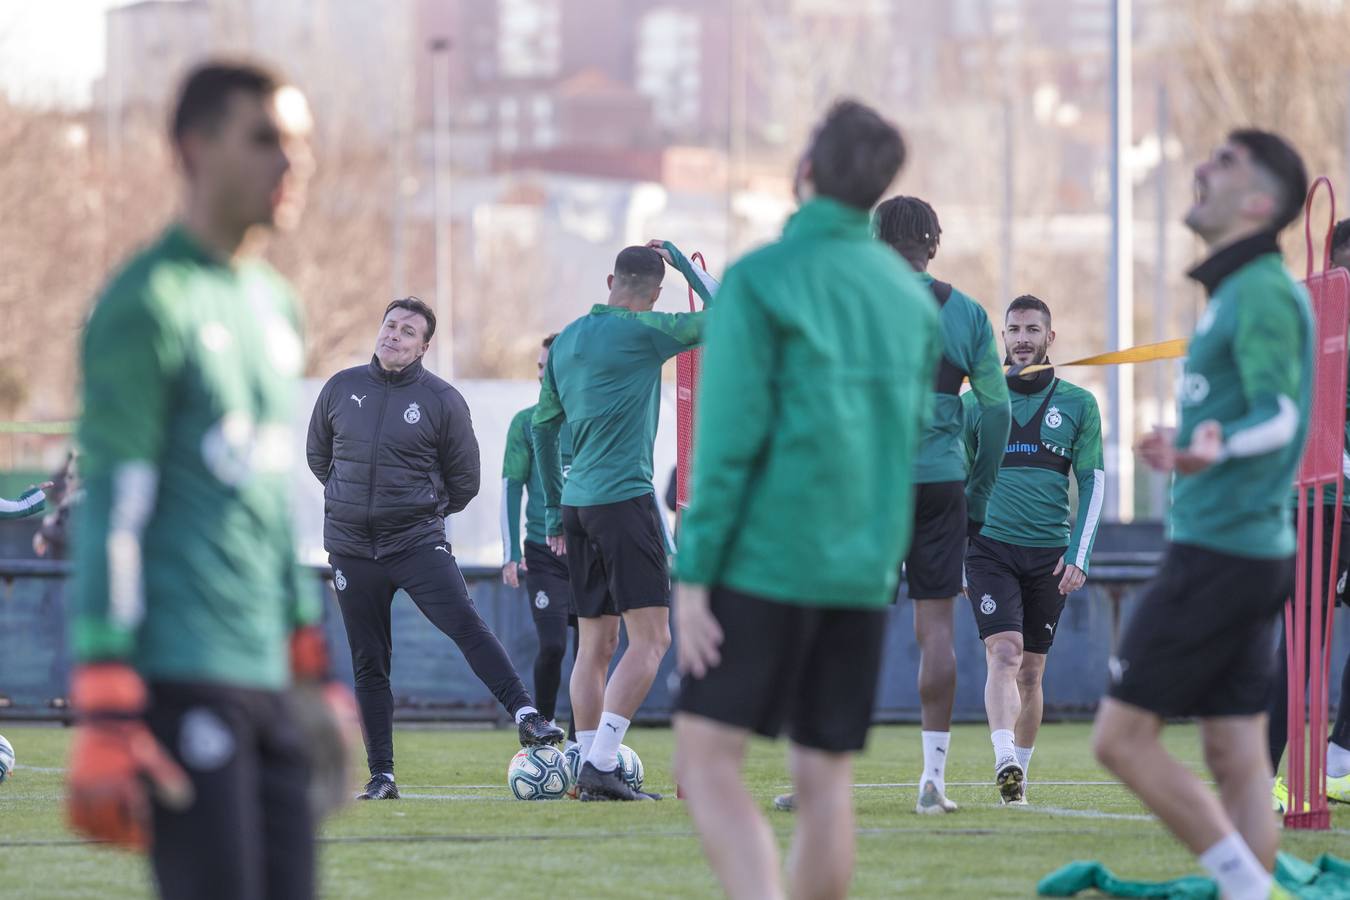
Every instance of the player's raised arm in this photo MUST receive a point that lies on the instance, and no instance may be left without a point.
(699, 279)
(1090, 473)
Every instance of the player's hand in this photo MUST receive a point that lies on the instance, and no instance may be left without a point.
(558, 544)
(700, 637)
(1158, 449)
(1073, 577)
(660, 247)
(510, 578)
(116, 765)
(39, 544)
(1205, 450)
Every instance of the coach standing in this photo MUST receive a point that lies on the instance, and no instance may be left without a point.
(395, 450)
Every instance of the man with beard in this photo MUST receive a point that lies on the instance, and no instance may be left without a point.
(1029, 555)
(1199, 643)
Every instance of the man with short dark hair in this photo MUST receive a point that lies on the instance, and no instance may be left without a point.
(395, 450)
(815, 384)
(192, 616)
(1029, 556)
(1199, 642)
(603, 379)
(546, 578)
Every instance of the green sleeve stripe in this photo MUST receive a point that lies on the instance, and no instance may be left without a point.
(703, 284)
(30, 502)
(1266, 436)
(1090, 518)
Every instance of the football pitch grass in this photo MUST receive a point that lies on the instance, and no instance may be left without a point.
(457, 832)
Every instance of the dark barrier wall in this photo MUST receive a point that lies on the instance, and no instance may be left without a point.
(432, 680)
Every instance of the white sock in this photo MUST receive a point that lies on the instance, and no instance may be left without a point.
(604, 753)
(1237, 870)
(523, 712)
(1024, 758)
(585, 739)
(389, 775)
(1338, 758)
(935, 758)
(1003, 745)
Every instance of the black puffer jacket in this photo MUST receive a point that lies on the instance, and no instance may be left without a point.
(396, 454)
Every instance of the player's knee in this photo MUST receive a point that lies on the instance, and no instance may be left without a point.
(1030, 678)
(1228, 759)
(1004, 653)
(551, 652)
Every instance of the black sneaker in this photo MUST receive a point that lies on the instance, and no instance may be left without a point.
(380, 787)
(535, 730)
(593, 784)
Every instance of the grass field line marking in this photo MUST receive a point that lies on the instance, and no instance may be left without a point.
(450, 797)
(915, 784)
(46, 770)
(1088, 813)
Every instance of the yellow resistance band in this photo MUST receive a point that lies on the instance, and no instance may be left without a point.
(1173, 349)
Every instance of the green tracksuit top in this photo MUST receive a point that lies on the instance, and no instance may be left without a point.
(1056, 428)
(604, 378)
(1248, 367)
(815, 388)
(521, 475)
(184, 561)
(968, 350)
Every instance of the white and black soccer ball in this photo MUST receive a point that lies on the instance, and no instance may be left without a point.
(6, 758)
(630, 767)
(538, 773)
(573, 756)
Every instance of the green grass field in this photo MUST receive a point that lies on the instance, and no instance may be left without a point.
(458, 832)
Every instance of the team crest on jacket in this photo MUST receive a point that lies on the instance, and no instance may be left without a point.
(1052, 418)
(987, 605)
(413, 414)
(541, 600)
(339, 580)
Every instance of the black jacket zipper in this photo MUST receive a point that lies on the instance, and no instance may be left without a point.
(374, 458)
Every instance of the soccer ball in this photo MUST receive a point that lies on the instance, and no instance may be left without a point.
(6, 758)
(573, 757)
(630, 767)
(538, 773)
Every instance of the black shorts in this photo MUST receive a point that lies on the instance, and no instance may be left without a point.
(812, 669)
(1202, 640)
(547, 583)
(1014, 588)
(616, 557)
(933, 566)
(249, 831)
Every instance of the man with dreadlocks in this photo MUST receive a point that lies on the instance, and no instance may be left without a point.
(951, 490)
